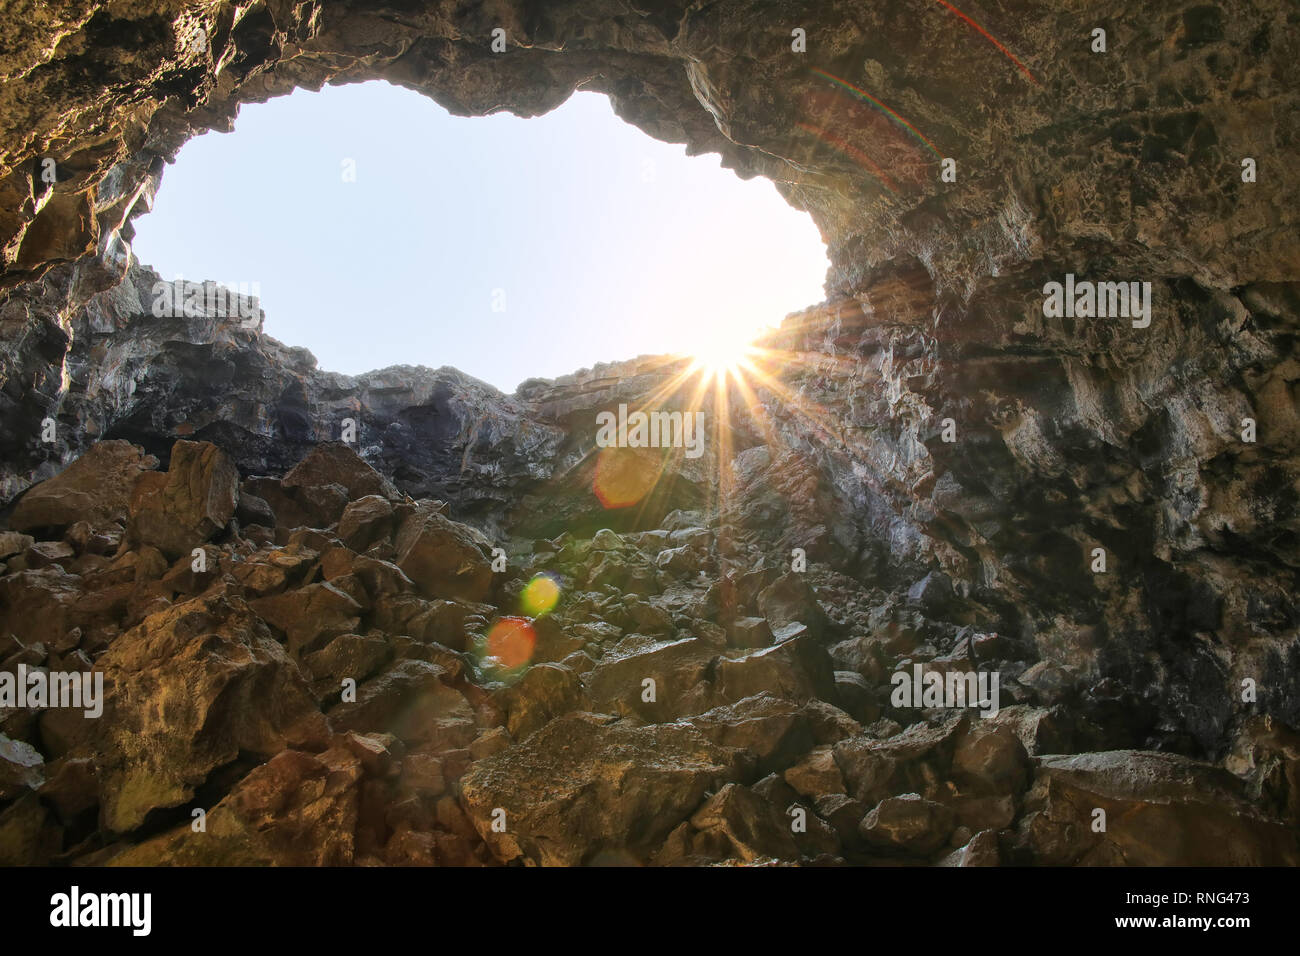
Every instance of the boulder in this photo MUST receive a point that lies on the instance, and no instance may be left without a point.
(444, 558)
(366, 520)
(44, 553)
(773, 732)
(743, 826)
(181, 510)
(913, 761)
(797, 669)
(585, 784)
(816, 774)
(909, 823)
(545, 691)
(95, 488)
(411, 701)
(188, 690)
(310, 616)
(790, 600)
(12, 543)
(295, 810)
(934, 594)
(617, 684)
(348, 655)
(749, 632)
(1161, 809)
(335, 463)
(253, 510)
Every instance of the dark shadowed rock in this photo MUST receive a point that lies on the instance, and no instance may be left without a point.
(410, 701)
(584, 784)
(1159, 808)
(907, 822)
(364, 521)
(294, 810)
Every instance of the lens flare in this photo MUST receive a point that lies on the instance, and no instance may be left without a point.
(510, 642)
(624, 476)
(540, 595)
(720, 357)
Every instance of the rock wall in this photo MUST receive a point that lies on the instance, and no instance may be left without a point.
(953, 457)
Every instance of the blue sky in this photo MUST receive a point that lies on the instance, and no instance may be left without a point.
(598, 242)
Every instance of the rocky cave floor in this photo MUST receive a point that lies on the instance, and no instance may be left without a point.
(770, 735)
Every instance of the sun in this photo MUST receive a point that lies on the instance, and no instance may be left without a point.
(720, 355)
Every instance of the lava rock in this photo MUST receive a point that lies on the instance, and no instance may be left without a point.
(96, 488)
(584, 784)
(182, 509)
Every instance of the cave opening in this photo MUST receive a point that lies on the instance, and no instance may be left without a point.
(377, 229)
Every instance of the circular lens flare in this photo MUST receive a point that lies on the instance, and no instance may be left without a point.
(624, 476)
(540, 595)
(510, 643)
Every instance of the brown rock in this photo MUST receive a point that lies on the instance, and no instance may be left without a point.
(908, 822)
(187, 691)
(816, 774)
(310, 616)
(294, 810)
(195, 501)
(410, 701)
(677, 668)
(444, 558)
(95, 488)
(545, 691)
(334, 463)
(12, 543)
(770, 730)
(366, 520)
(45, 553)
(913, 761)
(583, 784)
(1160, 810)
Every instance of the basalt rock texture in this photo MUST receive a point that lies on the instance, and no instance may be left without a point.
(313, 598)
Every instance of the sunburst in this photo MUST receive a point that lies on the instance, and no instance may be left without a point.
(721, 357)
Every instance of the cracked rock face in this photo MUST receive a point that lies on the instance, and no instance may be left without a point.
(312, 598)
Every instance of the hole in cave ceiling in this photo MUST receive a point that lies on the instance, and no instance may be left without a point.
(378, 229)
